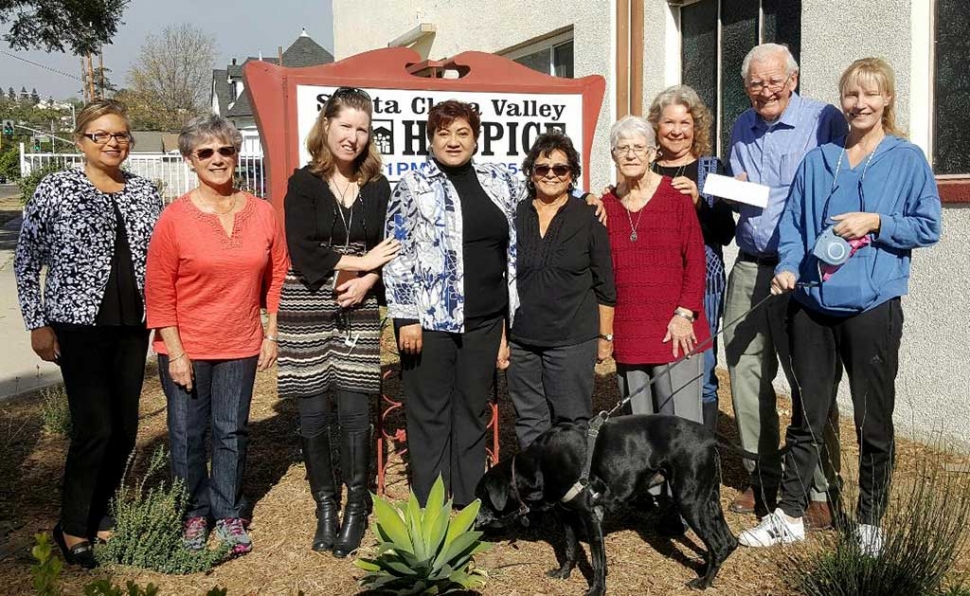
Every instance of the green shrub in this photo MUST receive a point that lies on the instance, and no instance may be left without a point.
(924, 530)
(10, 162)
(47, 570)
(148, 526)
(28, 184)
(55, 412)
(424, 551)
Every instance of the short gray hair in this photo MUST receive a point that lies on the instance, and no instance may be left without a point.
(766, 50)
(632, 126)
(201, 128)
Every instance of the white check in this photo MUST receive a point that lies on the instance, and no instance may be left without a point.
(733, 189)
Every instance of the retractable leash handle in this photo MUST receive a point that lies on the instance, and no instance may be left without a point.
(701, 347)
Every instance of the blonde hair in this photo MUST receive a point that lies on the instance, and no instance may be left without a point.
(684, 95)
(96, 109)
(367, 165)
(875, 70)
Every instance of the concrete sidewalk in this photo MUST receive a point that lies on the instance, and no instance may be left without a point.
(20, 369)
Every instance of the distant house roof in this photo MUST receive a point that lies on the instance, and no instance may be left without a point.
(149, 141)
(220, 88)
(305, 52)
(301, 53)
(241, 108)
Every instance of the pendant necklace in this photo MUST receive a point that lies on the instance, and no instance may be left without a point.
(633, 228)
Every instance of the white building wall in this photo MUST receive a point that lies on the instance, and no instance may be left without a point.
(492, 26)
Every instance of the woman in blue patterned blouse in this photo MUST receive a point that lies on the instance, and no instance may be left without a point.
(450, 291)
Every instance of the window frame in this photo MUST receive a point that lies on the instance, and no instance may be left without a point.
(547, 43)
(676, 46)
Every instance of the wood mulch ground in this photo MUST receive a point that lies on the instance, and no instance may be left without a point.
(640, 561)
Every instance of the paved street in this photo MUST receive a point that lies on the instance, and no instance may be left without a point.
(20, 369)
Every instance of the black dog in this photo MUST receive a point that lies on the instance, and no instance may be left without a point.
(629, 451)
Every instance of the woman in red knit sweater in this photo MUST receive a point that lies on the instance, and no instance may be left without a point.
(217, 256)
(659, 270)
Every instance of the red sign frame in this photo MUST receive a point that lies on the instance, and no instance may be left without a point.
(272, 91)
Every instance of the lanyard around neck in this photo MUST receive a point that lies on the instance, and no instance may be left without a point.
(835, 183)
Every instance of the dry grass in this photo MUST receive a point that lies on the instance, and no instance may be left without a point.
(640, 561)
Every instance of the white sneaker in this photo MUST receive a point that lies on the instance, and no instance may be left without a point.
(870, 539)
(774, 529)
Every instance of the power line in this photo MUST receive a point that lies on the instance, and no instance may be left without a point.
(39, 65)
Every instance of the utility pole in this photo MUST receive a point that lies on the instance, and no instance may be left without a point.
(91, 77)
(101, 72)
(84, 80)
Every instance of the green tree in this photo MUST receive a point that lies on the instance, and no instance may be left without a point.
(81, 26)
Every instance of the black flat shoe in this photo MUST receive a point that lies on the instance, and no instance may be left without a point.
(81, 554)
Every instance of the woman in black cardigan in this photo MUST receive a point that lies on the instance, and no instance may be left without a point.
(329, 326)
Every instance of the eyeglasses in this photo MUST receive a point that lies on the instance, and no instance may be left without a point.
(227, 151)
(102, 138)
(560, 170)
(349, 91)
(773, 87)
(639, 150)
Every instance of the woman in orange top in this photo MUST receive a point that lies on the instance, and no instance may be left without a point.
(217, 256)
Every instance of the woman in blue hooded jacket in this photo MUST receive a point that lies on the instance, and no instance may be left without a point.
(857, 208)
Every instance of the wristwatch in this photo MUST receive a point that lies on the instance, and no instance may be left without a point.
(607, 337)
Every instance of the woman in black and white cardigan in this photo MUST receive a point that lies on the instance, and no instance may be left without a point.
(91, 228)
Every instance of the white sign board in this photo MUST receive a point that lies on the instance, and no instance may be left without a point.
(510, 123)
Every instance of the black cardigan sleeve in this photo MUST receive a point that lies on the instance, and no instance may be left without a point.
(601, 262)
(381, 190)
(310, 254)
(717, 221)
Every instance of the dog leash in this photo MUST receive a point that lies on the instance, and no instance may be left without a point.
(600, 419)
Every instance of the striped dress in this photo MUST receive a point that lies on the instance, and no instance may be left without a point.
(323, 347)
(314, 337)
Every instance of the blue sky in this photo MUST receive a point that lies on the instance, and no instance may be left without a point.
(241, 28)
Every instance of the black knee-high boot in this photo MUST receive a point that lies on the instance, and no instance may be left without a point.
(710, 415)
(355, 457)
(319, 471)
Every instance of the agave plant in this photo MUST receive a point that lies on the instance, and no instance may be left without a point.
(424, 551)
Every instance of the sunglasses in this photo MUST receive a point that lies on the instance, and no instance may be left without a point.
(227, 151)
(559, 170)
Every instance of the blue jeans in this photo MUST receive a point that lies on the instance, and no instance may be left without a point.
(220, 399)
(713, 304)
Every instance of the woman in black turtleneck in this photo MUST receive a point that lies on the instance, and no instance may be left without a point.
(450, 291)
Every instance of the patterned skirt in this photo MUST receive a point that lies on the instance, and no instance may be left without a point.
(315, 337)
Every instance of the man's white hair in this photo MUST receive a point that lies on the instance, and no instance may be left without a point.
(765, 51)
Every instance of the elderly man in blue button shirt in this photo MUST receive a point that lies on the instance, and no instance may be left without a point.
(767, 144)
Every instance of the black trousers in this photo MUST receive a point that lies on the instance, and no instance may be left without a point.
(446, 390)
(353, 412)
(867, 345)
(551, 385)
(103, 370)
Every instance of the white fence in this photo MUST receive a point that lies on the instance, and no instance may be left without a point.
(168, 171)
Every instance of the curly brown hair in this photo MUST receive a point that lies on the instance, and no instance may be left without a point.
(684, 95)
(367, 166)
